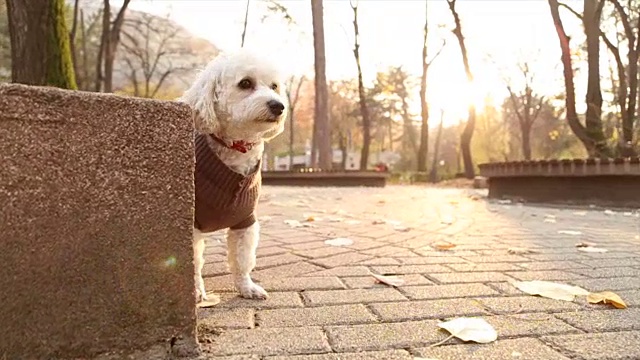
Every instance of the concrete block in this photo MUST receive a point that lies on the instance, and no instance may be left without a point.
(96, 193)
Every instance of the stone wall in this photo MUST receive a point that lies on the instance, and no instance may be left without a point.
(96, 198)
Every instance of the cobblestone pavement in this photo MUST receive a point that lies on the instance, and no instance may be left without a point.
(325, 305)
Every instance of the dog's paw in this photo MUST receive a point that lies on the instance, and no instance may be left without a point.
(250, 290)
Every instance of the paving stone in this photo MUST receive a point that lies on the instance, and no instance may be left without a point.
(305, 246)
(603, 320)
(322, 252)
(380, 261)
(367, 355)
(559, 257)
(409, 269)
(301, 283)
(221, 283)
(270, 341)
(268, 251)
(271, 261)
(620, 283)
(233, 357)
(431, 253)
(608, 272)
(286, 271)
(384, 336)
(447, 291)
(505, 288)
(365, 282)
(604, 263)
(355, 296)
(341, 259)
(430, 309)
(604, 346)
(485, 267)
(215, 269)
(393, 251)
(551, 275)
(316, 316)
(520, 349)
(215, 258)
(364, 243)
(470, 277)
(531, 324)
(428, 260)
(240, 318)
(495, 258)
(343, 271)
(630, 297)
(502, 305)
(551, 265)
(275, 300)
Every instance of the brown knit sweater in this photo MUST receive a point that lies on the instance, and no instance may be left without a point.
(224, 198)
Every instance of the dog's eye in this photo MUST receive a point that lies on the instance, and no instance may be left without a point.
(274, 87)
(245, 84)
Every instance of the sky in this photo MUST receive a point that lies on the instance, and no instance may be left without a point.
(499, 35)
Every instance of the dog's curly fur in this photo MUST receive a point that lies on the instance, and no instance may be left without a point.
(230, 99)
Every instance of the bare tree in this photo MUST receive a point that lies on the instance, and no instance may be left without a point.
(72, 34)
(364, 111)
(467, 133)
(153, 52)
(591, 135)
(433, 174)
(246, 20)
(109, 46)
(293, 95)
(423, 150)
(322, 126)
(526, 106)
(40, 53)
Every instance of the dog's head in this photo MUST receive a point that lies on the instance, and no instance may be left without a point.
(238, 96)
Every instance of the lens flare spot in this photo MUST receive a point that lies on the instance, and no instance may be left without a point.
(170, 262)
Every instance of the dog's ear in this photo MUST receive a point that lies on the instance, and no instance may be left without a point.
(202, 97)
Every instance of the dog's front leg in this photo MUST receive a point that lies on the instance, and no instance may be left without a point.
(241, 250)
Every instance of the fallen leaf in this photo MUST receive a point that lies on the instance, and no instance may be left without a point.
(401, 228)
(446, 220)
(311, 218)
(607, 297)
(336, 219)
(504, 202)
(591, 249)
(550, 220)
(444, 246)
(550, 290)
(580, 213)
(339, 242)
(627, 213)
(520, 250)
(570, 232)
(393, 222)
(381, 201)
(213, 301)
(378, 222)
(388, 280)
(470, 329)
(609, 212)
(585, 244)
(293, 223)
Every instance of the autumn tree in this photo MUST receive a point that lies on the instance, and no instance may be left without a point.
(40, 51)
(292, 91)
(467, 133)
(322, 135)
(109, 46)
(153, 52)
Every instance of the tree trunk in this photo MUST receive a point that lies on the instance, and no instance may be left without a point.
(433, 174)
(570, 100)
(246, 20)
(112, 46)
(72, 36)
(526, 141)
(467, 133)
(364, 111)
(291, 139)
(104, 41)
(423, 151)
(40, 44)
(593, 116)
(323, 138)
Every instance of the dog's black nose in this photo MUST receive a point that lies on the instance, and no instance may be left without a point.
(276, 107)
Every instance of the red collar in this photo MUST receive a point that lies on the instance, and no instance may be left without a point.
(237, 145)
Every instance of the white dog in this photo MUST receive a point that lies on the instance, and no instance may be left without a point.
(238, 105)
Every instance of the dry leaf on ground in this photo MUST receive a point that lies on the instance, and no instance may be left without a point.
(444, 246)
(520, 250)
(591, 249)
(504, 202)
(471, 329)
(607, 297)
(570, 232)
(388, 280)
(550, 290)
(580, 213)
(401, 228)
(585, 244)
(609, 212)
(339, 242)
(297, 224)
(550, 220)
(378, 222)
